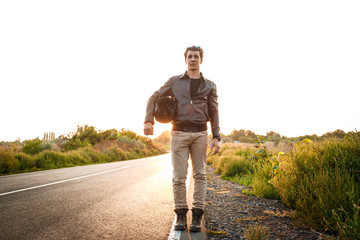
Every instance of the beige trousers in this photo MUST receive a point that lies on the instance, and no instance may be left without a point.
(184, 144)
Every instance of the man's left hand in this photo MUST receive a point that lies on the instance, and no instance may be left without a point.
(215, 144)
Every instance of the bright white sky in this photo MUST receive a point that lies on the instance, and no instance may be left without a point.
(292, 67)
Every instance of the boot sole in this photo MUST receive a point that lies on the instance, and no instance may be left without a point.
(195, 229)
(180, 228)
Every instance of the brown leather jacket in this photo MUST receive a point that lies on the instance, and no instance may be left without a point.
(201, 108)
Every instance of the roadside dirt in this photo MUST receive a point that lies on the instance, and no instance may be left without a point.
(229, 213)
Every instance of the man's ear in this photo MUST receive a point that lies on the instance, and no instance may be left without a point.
(201, 61)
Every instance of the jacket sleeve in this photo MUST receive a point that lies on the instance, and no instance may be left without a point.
(165, 90)
(214, 112)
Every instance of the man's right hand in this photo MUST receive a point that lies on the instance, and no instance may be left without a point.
(148, 128)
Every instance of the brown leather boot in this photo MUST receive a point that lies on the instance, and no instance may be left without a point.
(196, 220)
(181, 220)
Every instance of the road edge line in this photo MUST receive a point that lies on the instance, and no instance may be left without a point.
(176, 235)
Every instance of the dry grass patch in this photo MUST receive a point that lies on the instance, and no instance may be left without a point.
(256, 232)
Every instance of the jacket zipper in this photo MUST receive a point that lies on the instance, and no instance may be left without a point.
(191, 97)
(191, 101)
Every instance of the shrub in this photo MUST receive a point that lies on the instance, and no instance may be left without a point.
(94, 156)
(237, 166)
(221, 163)
(45, 146)
(321, 181)
(74, 144)
(265, 166)
(87, 136)
(323, 192)
(116, 154)
(8, 163)
(73, 158)
(58, 158)
(26, 161)
(50, 159)
(242, 180)
(243, 152)
(234, 164)
(77, 149)
(132, 155)
(133, 143)
(261, 181)
(32, 146)
(347, 222)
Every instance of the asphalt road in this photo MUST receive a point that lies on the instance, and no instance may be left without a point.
(122, 200)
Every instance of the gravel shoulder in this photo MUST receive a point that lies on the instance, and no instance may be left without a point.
(229, 212)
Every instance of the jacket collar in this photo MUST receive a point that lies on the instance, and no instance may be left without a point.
(186, 76)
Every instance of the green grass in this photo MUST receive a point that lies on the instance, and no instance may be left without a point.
(320, 180)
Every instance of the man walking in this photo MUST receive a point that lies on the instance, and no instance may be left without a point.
(196, 101)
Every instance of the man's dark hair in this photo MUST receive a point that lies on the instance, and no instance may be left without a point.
(194, 48)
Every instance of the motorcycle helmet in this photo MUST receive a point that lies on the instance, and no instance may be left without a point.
(165, 109)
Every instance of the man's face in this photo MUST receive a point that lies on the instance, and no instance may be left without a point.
(193, 60)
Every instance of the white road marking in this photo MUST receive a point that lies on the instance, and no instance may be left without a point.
(175, 235)
(67, 180)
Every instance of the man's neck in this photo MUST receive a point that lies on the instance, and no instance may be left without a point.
(193, 74)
